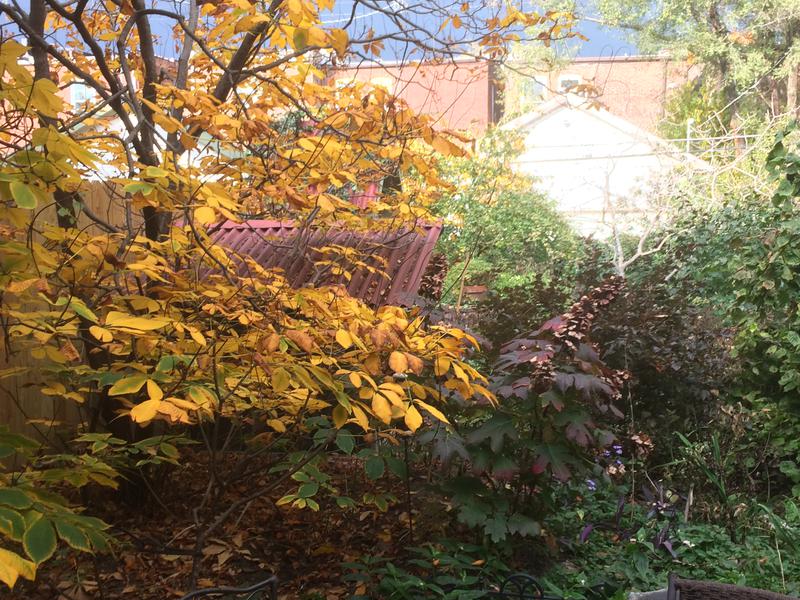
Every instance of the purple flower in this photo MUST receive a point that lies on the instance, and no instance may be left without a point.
(591, 484)
(617, 449)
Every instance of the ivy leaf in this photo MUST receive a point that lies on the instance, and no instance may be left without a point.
(554, 457)
(496, 528)
(524, 526)
(472, 514)
(39, 540)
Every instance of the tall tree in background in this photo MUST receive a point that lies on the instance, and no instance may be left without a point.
(748, 50)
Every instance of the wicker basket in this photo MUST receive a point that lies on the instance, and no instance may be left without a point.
(688, 589)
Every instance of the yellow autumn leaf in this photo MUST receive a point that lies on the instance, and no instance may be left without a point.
(302, 339)
(344, 339)
(277, 425)
(134, 324)
(433, 410)
(381, 408)
(412, 418)
(168, 124)
(154, 391)
(360, 416)
(340, 416)
(339, 41)
(99, 333)
(181, 403)
(398, 362)
(146, 411)
(12, 566)
(414, 363)
(459, 372)
(205, 215)
(201, 396)
(280, 379)
(446, 147)
(441, 366)
(196, 335)
(355, 379)
(127, 385)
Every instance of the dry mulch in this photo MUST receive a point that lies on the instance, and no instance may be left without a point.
(303, 548)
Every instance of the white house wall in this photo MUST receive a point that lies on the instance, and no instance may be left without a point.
(582, 161)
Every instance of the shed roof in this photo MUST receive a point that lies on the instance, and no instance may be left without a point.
(403, 255)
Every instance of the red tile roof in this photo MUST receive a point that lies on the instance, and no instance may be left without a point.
(402, 255)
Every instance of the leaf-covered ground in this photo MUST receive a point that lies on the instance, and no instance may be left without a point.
(304, 548)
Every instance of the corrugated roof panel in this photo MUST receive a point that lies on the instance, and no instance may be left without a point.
(281, 244)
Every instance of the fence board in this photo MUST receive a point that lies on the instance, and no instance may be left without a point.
(20, 398)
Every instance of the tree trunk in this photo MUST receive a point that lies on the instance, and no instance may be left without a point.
(792, 107)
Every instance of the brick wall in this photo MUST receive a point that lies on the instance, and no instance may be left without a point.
(460, 95)
(634, 88)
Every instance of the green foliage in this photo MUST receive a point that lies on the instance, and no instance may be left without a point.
(704, 105)
(499, 231)
(610, 544)
(122, 454)
(741, 46)
(557, 399)
(746, 258)
(34, 516)
(448, 571)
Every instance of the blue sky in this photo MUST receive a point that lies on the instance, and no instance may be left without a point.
(604, 41)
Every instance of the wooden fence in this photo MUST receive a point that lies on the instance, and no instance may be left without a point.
(23, 408)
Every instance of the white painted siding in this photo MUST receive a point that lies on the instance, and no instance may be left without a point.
(594, 165)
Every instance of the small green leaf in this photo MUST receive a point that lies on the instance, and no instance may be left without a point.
(23, 194)
(138, 187)
(396, 466)
(74, 536)
(308, 489)
(374, 467)
(345, 441)
(39, 540)
(128, 385)
(12, 524)
(14, 498)
(300, 38)
(345, 502)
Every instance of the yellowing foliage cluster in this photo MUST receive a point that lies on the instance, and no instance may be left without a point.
(149, 320)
